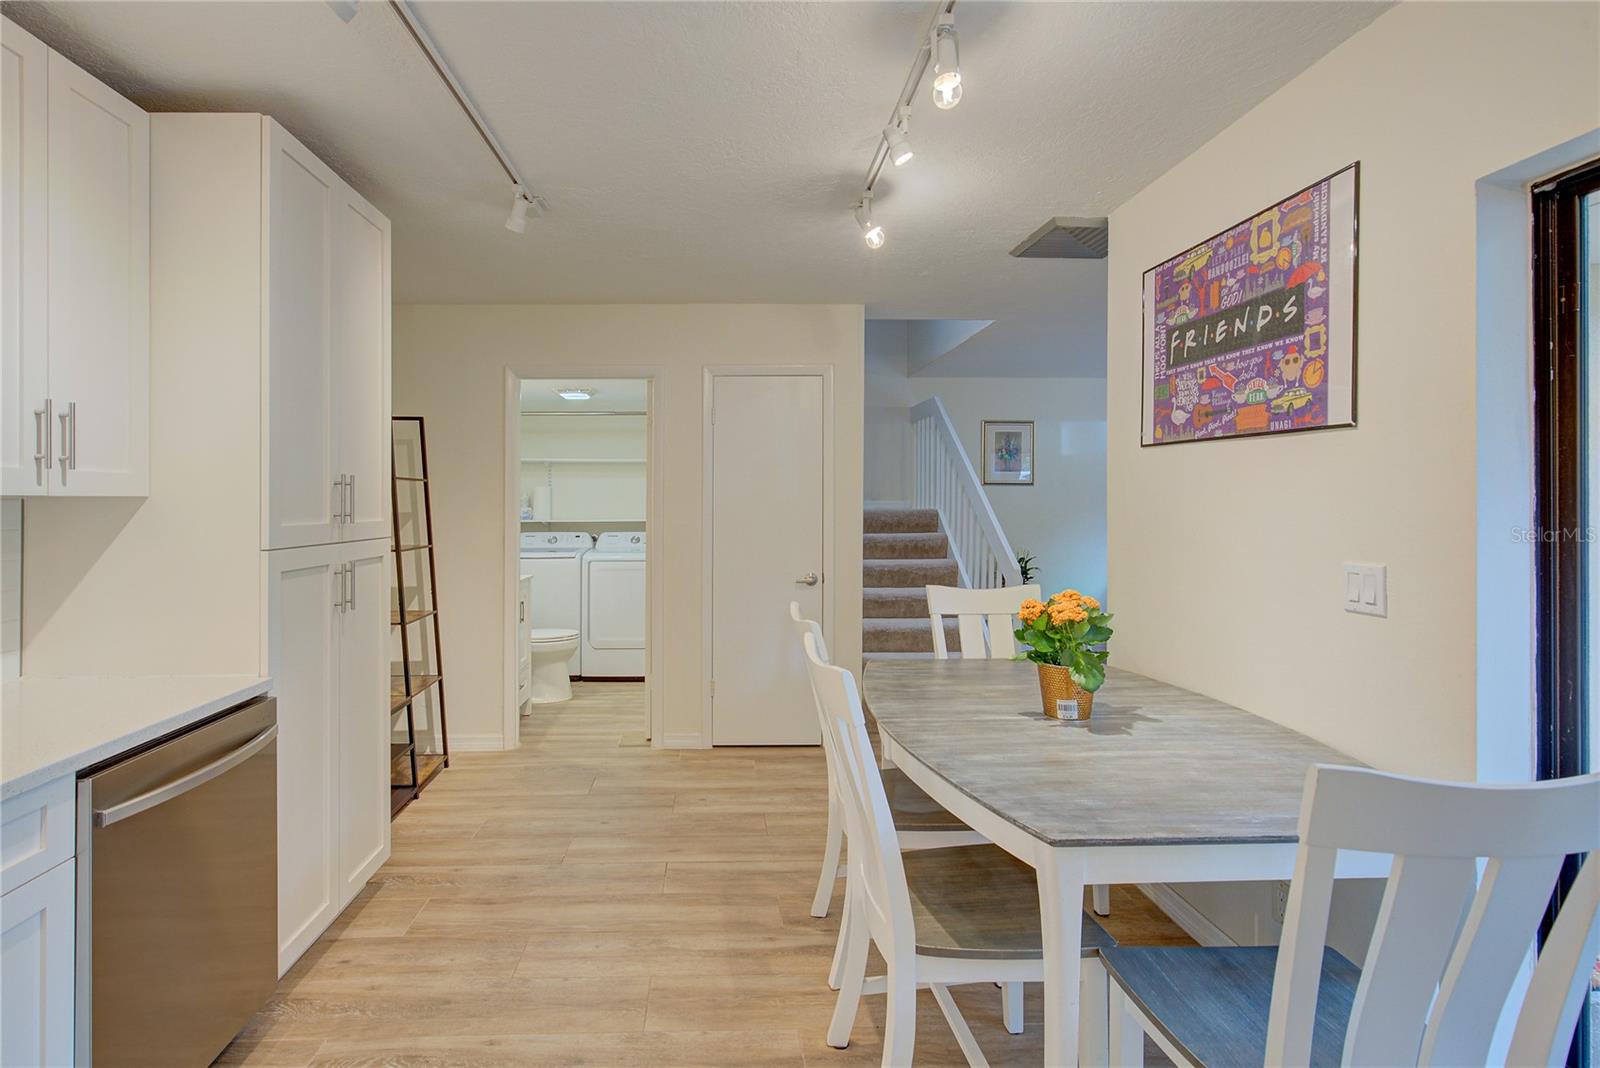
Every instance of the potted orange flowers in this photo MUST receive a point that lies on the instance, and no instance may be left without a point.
(1066, 638)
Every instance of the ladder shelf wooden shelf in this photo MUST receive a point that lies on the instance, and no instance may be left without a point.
(410, 769)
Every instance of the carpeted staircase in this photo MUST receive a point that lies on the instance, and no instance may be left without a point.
(904, 550)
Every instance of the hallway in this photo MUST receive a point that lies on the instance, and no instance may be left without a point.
(589, 900)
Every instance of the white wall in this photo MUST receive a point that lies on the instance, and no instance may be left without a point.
(1225, 556)
(1061, 518)
(450, 364)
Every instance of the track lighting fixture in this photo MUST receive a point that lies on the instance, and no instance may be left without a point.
(871, 232)
(946, 63)
(522, 202)
(898, 137)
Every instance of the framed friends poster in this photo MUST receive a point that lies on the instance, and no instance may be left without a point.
(1253, 331)
(1007, 453)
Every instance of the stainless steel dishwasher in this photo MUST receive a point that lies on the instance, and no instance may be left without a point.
(177, 893)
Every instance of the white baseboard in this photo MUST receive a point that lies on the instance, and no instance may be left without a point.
(693, 740)
(476, 743)
(1185, 915)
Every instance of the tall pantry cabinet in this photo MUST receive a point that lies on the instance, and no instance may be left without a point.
(316, 349)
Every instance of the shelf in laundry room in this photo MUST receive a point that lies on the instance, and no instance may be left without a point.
(583, 460)
(398, 750)
(409, 478)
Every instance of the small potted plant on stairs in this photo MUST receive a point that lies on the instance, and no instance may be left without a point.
(1066, 638)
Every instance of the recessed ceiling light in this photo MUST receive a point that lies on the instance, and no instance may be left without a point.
(573, 393)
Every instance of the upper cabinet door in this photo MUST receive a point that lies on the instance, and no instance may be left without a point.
(99, 287)
(304, 495)
(25, 455)
(361, 365)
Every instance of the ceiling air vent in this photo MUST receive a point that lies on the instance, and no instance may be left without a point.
(1066, 239)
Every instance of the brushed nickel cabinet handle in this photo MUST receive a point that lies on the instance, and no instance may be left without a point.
(350, 598)
(350, 509)
(65, 419)
(41, 442)
(72, 419)
(338, 508)
(338, 601)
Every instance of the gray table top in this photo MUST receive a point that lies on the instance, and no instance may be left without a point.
(1154, 765)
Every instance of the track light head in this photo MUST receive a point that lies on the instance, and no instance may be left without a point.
(898, 137)
(517, 222)
(946, 64)
(871, 232)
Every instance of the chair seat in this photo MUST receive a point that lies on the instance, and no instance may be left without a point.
(981, 903)
(1212, 1003)
(913, 809)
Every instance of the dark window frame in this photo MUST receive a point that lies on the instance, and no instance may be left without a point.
(1561, 513)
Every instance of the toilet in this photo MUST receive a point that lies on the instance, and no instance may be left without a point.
(550, 649)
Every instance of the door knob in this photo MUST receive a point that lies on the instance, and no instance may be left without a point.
(808, 579)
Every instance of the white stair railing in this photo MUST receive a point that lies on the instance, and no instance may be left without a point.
(946, 481)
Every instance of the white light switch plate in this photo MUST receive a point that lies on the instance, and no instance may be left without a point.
(1366, 589)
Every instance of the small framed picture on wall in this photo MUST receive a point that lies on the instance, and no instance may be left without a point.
(1007, 453)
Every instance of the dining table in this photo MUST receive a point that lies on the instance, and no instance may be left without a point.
(1158, 785)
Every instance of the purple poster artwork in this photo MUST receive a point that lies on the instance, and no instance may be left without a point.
(1249, 332)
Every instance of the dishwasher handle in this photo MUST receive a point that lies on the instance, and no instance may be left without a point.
(105, 817)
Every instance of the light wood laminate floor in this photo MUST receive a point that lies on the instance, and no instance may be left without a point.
(588, 900)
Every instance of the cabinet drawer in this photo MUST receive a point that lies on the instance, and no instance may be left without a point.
(36, 832)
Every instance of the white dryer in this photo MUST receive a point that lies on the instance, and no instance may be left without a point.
(613, 607)
(554, 560)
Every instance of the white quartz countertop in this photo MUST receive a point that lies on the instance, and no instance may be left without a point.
(54, 726)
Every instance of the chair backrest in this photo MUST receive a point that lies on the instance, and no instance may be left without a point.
(874, 856)
(804, 628)
(973, 609)
(1449, 942)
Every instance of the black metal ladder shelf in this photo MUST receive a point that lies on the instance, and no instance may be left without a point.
(414, 769)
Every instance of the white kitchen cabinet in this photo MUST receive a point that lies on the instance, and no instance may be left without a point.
(36, 970)
(361, 305)
(327, 312)
(304, 599)
(24, 215)
(363, 715)
(524, 652)
(76, 175)
(303, 503)
(328, 632)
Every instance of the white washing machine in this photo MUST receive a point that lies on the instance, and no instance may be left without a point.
(613, 607)
(554, 560)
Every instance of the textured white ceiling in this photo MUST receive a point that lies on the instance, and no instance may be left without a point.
(712, 151)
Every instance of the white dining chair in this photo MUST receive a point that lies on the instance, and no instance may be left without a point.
(985, 622)
(1472, 874)
(984, 619)
(939, 917)
(923, 823)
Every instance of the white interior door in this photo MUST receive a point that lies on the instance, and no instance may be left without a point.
(361, 363)
(304, 603)
(99, 287)
(363, 715)
(300, 470)
(767, 550)
(24, 431)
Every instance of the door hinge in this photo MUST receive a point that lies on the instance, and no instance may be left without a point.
(713, 687)
(713, 417)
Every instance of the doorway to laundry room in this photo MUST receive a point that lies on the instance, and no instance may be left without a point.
(582, 497)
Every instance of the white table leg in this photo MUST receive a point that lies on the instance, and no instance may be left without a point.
(1060, 873)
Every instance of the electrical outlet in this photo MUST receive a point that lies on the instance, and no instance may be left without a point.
(1366, 589)
(1280, 901)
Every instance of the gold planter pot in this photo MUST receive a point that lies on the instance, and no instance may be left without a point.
(1063, 698)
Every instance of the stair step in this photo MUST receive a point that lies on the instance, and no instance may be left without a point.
(894, 602)
(900, 521)
(905, 636)
(910, 573)
(905, 546)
